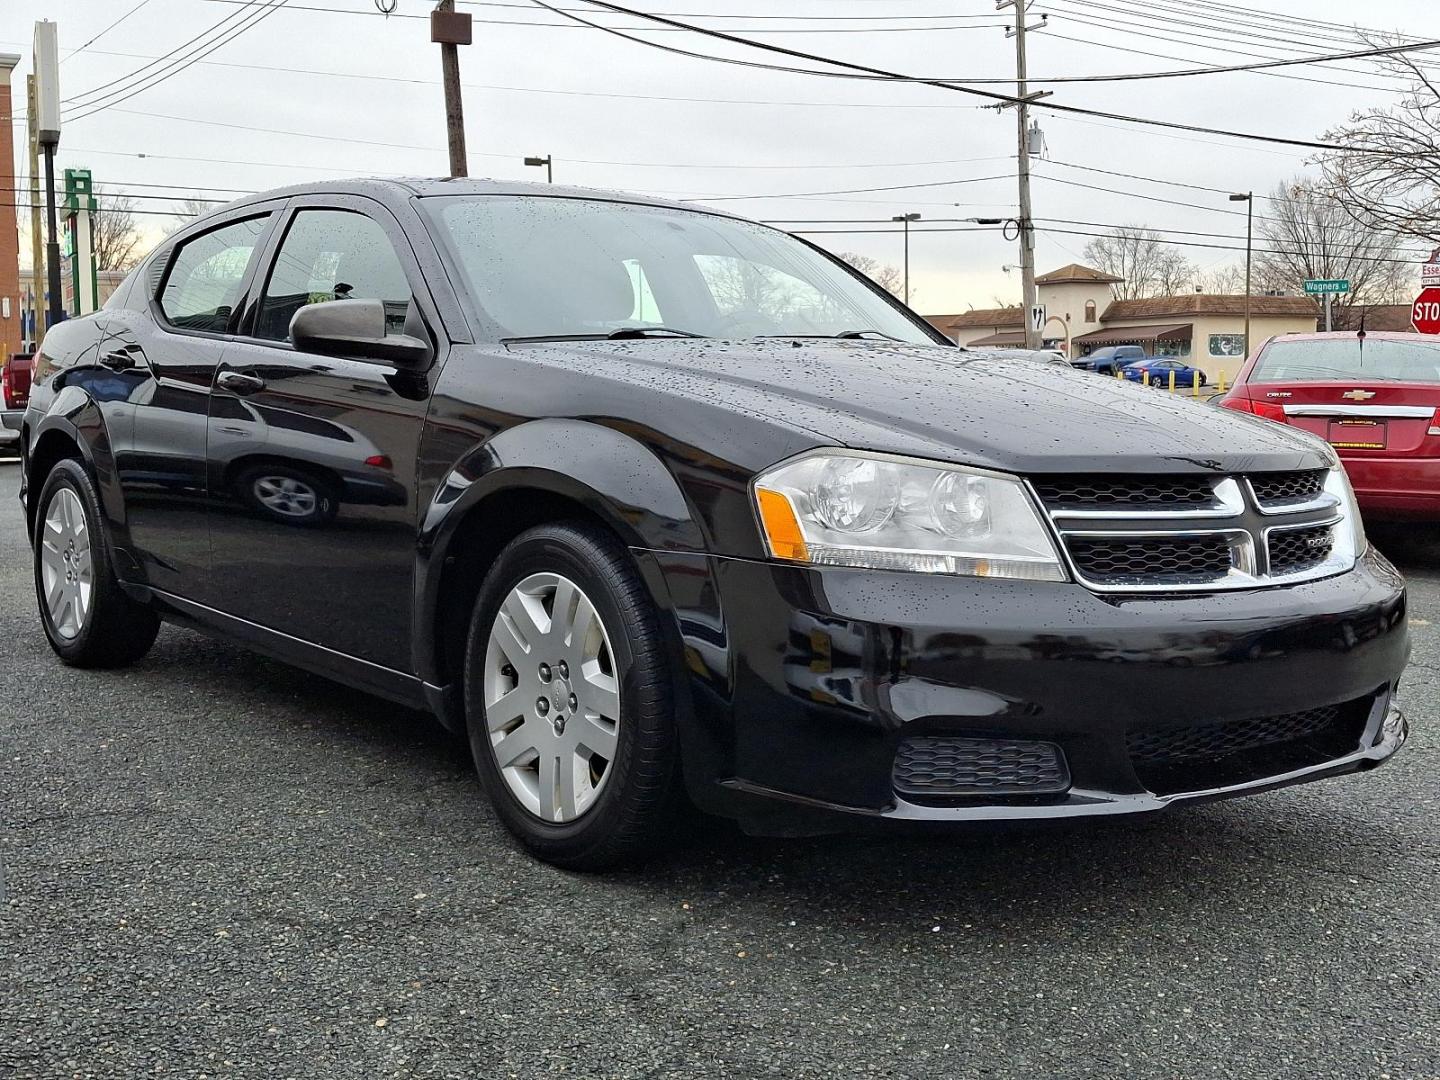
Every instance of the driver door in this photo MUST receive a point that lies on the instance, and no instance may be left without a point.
(312, 459)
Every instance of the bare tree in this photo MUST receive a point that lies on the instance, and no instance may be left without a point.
(1140, 256)
(188, 209)
(117, 236)
(1307, 232)
(890, 278)
(1227, 280)
(1388, 178)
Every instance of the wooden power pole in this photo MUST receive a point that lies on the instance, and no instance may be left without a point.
(450, 29)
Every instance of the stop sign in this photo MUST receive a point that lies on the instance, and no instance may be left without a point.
(1426, 312)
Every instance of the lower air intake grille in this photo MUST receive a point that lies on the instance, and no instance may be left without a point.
(1154, 560)
(1293, 550)
(1200, 756)
(1288, 487)
(945, 767)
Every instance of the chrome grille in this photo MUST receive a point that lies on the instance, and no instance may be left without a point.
(1141, 533)
(1300, 549)
(1288, 487)
(1061, 492)
(1178, 560)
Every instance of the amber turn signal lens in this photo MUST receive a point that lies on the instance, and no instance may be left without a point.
(782, 528)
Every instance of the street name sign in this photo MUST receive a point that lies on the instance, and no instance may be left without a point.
(1325, 286)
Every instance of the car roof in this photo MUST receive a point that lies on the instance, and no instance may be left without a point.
(1370, 335)
(403, 188)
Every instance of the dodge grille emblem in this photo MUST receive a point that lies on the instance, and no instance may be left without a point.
(1358, 395)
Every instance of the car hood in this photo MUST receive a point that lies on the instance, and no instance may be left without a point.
(937, 402)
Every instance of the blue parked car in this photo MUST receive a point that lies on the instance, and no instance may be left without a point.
(1155, 371)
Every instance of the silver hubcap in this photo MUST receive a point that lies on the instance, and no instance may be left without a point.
(286, 495)
(66, 576)
(552, 700)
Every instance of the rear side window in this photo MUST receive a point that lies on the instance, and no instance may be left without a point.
(1349, 359)
(333, 255)
(206, 273)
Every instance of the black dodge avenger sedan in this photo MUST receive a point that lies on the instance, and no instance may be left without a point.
(660, 507)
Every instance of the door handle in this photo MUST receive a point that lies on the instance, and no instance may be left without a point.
(237, 382)
(117, 360)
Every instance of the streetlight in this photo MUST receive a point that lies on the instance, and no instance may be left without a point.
(1249, 200)
(907, 219)
(545, 161)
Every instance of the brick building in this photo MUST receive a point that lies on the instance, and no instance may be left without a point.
(10, 333)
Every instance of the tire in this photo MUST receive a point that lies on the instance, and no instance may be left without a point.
(103, 628)
(287, 495)
(585, 811)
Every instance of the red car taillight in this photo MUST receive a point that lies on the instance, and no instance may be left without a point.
(5, 386)
(1255, 408)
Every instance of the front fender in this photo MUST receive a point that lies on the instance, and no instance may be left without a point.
(612, 475)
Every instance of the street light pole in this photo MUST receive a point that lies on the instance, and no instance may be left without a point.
(547, 162)
(907, 219)
(449, 29)
(1249, 200)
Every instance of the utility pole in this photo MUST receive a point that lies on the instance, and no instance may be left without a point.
(450, 29)
(907, 219)
(1249, 200)
(1024, 224)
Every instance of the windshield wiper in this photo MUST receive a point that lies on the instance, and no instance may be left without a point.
(648, 331)
(614, 335)
(842, 334)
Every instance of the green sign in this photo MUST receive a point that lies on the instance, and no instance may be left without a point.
(1320, 288)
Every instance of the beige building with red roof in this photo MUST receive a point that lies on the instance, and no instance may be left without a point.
(1082, 314)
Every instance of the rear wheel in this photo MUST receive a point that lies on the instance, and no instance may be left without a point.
(568, 699)
(87, 617)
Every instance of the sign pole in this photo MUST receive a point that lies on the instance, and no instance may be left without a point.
(1328, 326)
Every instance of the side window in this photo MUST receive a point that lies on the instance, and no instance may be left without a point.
(205, 276)
(332, 255)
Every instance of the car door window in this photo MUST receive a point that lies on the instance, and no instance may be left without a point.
(332, 255)
(206, 275)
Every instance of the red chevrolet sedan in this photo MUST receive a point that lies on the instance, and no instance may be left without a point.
(1374, 397)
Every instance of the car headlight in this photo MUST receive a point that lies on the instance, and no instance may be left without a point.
(1350, 538)
(844, 508)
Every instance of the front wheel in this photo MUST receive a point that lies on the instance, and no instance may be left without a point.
(88, 619)
(568, 699)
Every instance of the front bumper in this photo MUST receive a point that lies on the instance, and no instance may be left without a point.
(10, 423)
(804, 683)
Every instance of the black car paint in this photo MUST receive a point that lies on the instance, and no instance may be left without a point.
(659, 439)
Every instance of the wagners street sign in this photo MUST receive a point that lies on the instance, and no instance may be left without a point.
(1319, 287)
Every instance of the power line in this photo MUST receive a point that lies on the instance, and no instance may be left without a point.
(107, 29)
(156, 78)
(866, 72)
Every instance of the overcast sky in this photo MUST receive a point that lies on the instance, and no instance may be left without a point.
(622, 115)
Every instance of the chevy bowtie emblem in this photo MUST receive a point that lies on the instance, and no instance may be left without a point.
(1358, 395)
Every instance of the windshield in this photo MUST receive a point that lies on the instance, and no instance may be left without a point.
(1347, 360)
(558, 267)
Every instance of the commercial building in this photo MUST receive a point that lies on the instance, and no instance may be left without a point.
(10, 330)
(1082, 315)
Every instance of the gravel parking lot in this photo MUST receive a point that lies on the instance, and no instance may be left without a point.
(214, 865)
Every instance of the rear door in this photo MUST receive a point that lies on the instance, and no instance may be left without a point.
(312, 459)
(156, 366)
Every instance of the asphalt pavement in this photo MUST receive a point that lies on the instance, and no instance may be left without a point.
(214, 865)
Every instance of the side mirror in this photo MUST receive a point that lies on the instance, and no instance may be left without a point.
(355, 329)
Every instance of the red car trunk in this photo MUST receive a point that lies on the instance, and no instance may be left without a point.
(15, 381)
(1374, 399)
